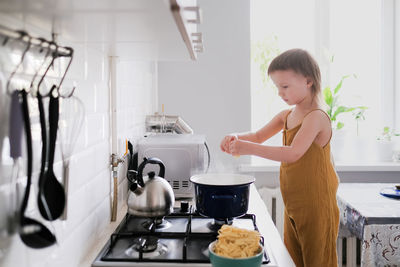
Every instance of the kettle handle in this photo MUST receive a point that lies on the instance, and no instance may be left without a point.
(151, 161)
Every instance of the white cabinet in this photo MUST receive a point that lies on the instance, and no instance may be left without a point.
(130, 29)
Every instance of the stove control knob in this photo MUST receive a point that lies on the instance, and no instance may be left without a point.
(184, 206)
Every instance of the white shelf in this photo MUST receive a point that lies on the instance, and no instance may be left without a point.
(369, 166)
(128, 29)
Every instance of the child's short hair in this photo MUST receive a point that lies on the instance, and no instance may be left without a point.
(301, 62)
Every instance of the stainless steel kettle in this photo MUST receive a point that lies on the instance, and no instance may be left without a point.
(151, 196)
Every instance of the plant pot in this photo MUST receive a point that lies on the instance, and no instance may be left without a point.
(384, 150)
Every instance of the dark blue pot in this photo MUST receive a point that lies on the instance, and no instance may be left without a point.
(222, 196)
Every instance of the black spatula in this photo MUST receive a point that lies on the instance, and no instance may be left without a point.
(51, 200)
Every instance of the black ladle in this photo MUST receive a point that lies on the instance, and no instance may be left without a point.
(44, 153)
(51, 200)
(32, 233)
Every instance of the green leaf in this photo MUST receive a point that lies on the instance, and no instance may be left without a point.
(328, 96)
(334, 101)
(386, 129)
(342, 109)
(359, 116)
(339, 125)
(362, 107)
(337, 88)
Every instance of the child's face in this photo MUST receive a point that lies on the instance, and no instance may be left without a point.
(293, 88)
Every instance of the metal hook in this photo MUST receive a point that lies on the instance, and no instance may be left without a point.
(41, 65)
(5, 41)
(52, 90)
(22, 35)
(70, 94)
(71, 55)
(54, 55)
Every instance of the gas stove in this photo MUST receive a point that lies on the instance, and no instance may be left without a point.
(181, 237)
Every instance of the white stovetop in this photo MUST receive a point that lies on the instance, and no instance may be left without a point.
(273, 243)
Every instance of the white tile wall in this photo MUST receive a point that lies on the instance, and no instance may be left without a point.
(90, 187)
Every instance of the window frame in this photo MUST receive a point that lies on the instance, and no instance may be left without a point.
(388, 64)
(396, 50)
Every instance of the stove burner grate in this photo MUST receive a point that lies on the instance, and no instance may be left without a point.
(149, 247)
(164, 246)
(146, 244)
(157, 223)
(215, 225)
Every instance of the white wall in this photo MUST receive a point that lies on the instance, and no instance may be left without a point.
(213, 94)
(90, 182)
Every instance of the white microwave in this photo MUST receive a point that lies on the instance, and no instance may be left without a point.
(183, 155)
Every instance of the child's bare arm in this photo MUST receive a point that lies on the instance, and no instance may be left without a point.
(312, 125)
(306, 135)
(266, 132)
(260, 136)
(271, 128)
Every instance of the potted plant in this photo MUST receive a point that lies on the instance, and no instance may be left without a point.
(343, 148)
(387, 134)
(386, 145)
(331, 98)
(359, 116)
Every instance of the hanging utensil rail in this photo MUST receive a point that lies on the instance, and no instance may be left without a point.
(41, 42)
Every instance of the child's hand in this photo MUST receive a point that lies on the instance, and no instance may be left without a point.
(226, 142)
(236, 147)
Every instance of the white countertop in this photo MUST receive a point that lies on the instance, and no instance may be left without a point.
(273, 242)
(103, 238)
(280, 256)
(264, 165)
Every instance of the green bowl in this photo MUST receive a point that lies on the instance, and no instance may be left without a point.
(220, 261)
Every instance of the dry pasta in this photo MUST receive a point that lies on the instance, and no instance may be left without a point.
(234, 242)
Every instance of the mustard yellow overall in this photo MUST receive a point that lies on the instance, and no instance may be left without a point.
(311, 221)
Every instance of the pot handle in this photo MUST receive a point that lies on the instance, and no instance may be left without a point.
(224, 197)
(151, 161)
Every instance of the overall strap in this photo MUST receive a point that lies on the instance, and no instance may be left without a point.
(287, 115)
(323, 111)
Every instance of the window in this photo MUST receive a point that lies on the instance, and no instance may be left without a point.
(354, 38)
(355, 44)
(277, 28)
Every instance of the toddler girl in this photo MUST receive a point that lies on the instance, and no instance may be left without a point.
(308, 180)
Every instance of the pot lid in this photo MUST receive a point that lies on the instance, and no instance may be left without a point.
(222, 179)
